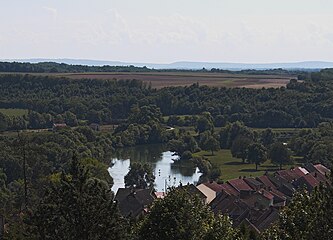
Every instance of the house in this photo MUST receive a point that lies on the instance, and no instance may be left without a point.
(94, 126)
(133, 203)
(268, 184)
(308, 181)
(253, 183)
(58, 126)
(322, 169)
(239, 185)
(269, 217)
(226, 188)
(210, 190)
(288, 175)
(194, 191)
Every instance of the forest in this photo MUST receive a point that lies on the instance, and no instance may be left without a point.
(51, 100)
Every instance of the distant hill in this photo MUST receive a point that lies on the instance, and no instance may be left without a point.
(187, 65)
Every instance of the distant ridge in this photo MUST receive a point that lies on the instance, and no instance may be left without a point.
(187, 65)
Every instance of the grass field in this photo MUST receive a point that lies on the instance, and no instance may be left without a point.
(13, 112)
(233, 167)
(168, 79)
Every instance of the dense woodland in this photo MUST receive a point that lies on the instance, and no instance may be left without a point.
(49, 100)
(39, 170)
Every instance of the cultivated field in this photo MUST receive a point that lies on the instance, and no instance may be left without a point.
(168, 79)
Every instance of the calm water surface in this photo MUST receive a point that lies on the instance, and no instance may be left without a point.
(167, 172)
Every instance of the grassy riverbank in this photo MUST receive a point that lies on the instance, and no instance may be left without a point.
(233, 167)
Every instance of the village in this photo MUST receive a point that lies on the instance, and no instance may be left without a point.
(253, 202)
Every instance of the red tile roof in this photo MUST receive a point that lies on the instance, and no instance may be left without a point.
(265, 180)
(288, 175)
(229, 189)
(320, 177)
(300, 172)
(322, 169)
(214, 186)
(239, 184)
(308, 180)
(267, 194)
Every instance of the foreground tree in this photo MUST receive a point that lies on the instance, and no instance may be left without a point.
(183, 216)
(308, 216)
(77, 207)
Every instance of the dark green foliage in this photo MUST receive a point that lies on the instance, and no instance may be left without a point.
(256, 154)
(102, 101)
(211, 144)
(3, 122)
(183, 216)
(308, 216)
(205, 123)
(279, 154)
(140, 176)
(267, 137)
(315, 145)
(240, 146)
(78, 207)
(186, 143)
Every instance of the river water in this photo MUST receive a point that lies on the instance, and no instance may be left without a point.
(167, 172)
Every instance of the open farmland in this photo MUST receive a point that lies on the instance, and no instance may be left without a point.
(174, 79)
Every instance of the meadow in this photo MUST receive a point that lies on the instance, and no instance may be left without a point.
(13, 112)
(234, 168)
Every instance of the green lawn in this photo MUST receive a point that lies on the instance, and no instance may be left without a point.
(13, 112)
(233, 167)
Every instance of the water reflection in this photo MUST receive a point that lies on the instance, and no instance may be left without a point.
(167, 172)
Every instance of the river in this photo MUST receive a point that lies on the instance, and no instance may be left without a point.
(167, 172)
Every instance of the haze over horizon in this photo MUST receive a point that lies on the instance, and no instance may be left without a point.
(150, 31)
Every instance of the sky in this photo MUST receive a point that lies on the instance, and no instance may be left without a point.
(156, 31)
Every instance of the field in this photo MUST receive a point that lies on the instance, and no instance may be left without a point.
(173, 79)
(13, 112)
(233, 167)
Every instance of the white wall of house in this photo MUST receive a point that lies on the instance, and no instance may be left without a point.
(208, 192)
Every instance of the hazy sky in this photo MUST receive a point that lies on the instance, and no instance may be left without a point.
(167, 31)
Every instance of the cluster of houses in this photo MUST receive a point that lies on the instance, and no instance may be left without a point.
(255, 202)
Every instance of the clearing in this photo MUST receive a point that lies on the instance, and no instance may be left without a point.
(13, 112)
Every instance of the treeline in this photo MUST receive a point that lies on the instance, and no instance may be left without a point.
(299, 105)
(52, 67)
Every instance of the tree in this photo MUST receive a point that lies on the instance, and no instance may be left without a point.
(240, 146)
(279, 154)
(267, 137)
(205, 123)
(257, 154)
(140, 176)
(145, 114)
(308, 216)
(78, 207)
(3, 122)
(181, 215)
(211, 144)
